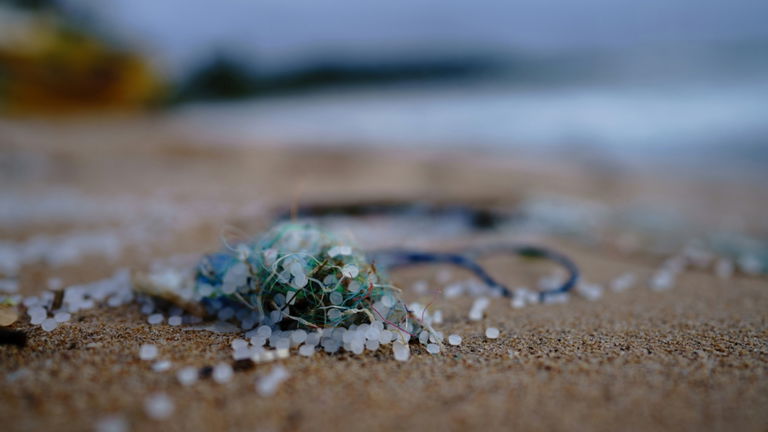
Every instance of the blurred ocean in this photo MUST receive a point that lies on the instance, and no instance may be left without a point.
(674, 124)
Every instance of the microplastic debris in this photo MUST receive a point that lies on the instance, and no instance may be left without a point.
(662, 280)
(589, 291)
(187, 375)
(238, 343)
(155, 319)
(478, 308)
(161, 366)
(623, 282)
(174, 320)
(268, 385)
(62, 317)
(158, 406)
(49, 324)
(222, 373)
(401, 351)
(492, 333)
(147, 352)
(454, 339)
(433, 348)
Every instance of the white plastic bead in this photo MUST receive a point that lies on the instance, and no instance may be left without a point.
(492, 333)
(148, 352)
(454, 339)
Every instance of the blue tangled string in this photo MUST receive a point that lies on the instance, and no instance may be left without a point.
(394, 258)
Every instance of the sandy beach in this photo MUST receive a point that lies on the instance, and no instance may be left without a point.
(693, 357)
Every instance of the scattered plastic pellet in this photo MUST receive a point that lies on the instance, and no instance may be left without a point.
(433, 348)
(662, 280)
(174, 320)
(589, 291)
(623, 282)
(268, 385)
(401, 351)
(158, 406)
(161, 366)
(238, 344)
(49, 324)
(478, 308)
(454, 339)
(62, 317)
(222, 373)
(148, 352)
(187, 376)
(155, 318)
(307, 350)
(492, 333)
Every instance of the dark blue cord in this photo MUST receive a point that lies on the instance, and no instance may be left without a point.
(393, 258)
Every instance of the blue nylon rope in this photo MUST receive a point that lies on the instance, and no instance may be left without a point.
(395, 258)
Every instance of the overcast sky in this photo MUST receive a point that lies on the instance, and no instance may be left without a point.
(279, 32)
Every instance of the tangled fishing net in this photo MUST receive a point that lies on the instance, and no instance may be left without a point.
(297, 276)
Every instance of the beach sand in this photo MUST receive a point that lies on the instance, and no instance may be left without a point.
(694, 357)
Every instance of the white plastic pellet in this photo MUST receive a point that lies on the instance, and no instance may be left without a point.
(623, 282)
(148, 352)
(351, 271)
(155, 319)
(424, 337)
(238, 343)
(49, 324)
(336, 298)
(662, 280)
(62, 317)
(589, 291)
(158, 406)
(298, 336)
(454, 339)
(475, 314)
(401, 351)
(437, 317)
(492, 333)
(174, 320)
(187, 376)
(372, 345)
(38, 319)
(222, 373)
(385, 337)
(478, 307)
(161, 366)
(433, 348)
(268, 385)
(306, 350)
(264, 331)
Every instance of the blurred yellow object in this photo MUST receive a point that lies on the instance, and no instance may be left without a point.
(48, 67)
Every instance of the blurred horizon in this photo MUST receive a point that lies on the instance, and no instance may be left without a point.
(682, 82)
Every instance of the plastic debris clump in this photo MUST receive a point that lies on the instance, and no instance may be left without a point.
(299, 277)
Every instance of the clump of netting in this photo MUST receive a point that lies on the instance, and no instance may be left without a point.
(297, 276)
